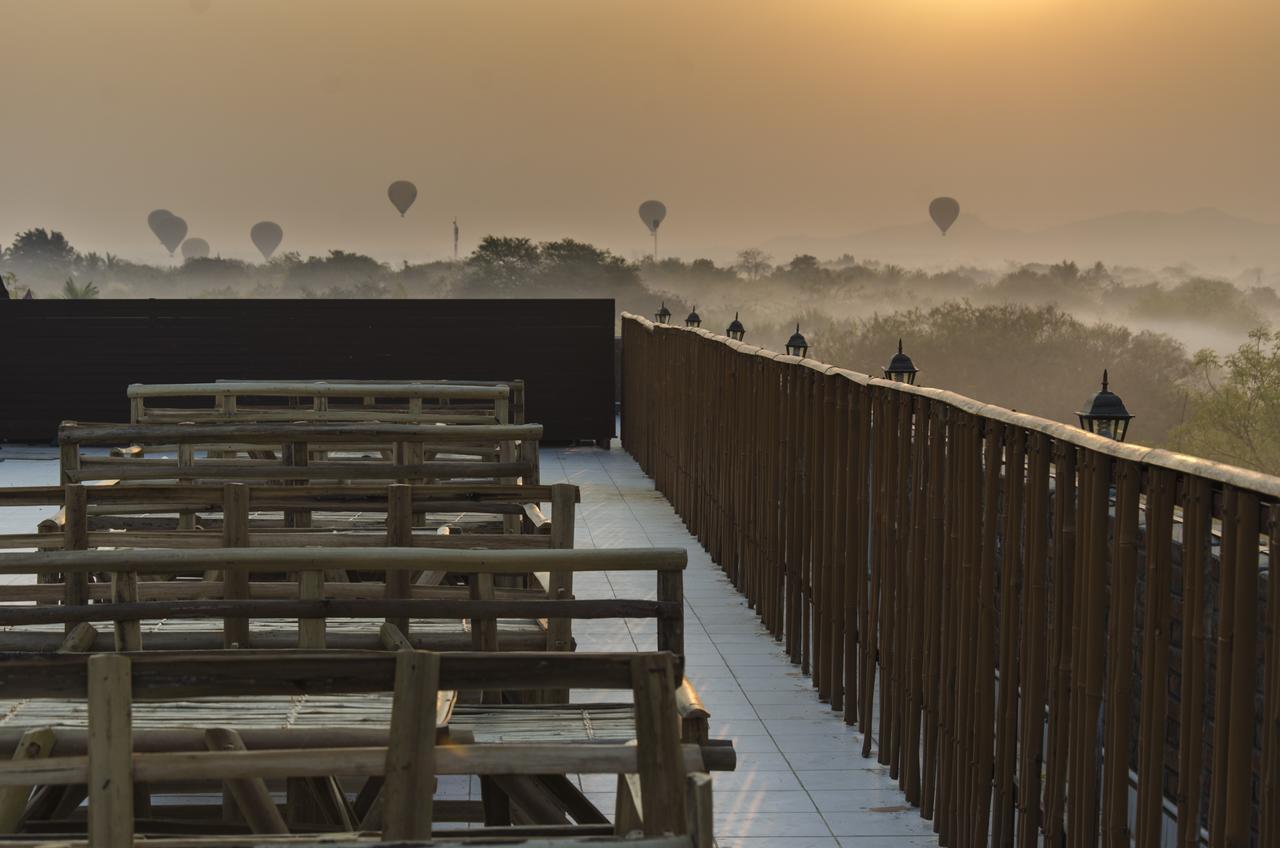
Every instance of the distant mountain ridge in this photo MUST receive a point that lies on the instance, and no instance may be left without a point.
(1205, 237)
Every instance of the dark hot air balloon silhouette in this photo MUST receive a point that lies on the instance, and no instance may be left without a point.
(266, 236)
(154, 219)
(944, 211)
(168, 227)
(652, 212)
(402, 194)
(195, 248)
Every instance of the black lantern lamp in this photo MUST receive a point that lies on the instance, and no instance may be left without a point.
(736, 331)
(1106, 414)
(901, 369)
(694, 320)
(663, 315)
(796, 345)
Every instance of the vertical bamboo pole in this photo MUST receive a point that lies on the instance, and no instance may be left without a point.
(933, 581)
(1034, 653)
(1228, 561)
(1119, 700)
(75, 537)
(915, 594)
(840, 519)
(1196, 541)
(1149, 813)
(984, 679)
(235, 581)
(410, 768)
(1010, 579)
(1242, 716)
(397, 583)
(1060, 644)
(110, 751)
(1269, 779)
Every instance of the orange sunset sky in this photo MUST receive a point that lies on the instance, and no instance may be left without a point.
(546, 118)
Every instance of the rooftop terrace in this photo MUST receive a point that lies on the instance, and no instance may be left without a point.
(800, 782)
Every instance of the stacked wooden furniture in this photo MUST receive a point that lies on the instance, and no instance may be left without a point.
(273, 602)
(664, 790)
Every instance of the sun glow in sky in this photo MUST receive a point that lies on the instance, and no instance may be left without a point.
(750, 118)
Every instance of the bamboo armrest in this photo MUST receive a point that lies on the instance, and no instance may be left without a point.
(54, 524)
(540, 522)
(694, 718)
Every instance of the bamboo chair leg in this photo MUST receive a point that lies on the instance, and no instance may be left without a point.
(35, 744)
(250, 794)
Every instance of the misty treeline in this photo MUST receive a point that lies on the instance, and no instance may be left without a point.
(1030, 337)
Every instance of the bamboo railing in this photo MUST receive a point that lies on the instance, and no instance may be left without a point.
(1049, 634)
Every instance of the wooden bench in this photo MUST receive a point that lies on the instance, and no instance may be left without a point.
(327, 401)
(664, 791)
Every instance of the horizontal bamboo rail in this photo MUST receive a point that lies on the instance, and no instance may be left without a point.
(334, 559)
(1028, 619)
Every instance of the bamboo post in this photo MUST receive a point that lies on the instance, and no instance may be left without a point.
(560, 582)
(75, 537)
(399, 534)
(410, 766)
(311, 631)
(110, 752)
(235, 582)
(658, 745)
(124, 590)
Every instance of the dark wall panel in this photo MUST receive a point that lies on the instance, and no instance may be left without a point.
(72, 359)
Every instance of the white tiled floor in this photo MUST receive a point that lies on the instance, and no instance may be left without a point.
(801, 781)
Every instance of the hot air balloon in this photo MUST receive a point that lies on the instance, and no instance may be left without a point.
(652, 212)
(195, 248)
(266, 236)
(402, 194)
(168, 227)
(944, 211)
(154, 219)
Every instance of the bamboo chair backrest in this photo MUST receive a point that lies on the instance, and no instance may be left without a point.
(110, 683)
(150, 516)
(328, 401)
(509, 452)
(311, 606)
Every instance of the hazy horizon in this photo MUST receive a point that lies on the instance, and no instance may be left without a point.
(752, 121)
